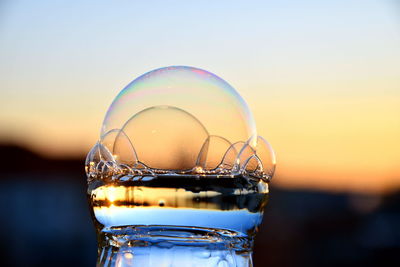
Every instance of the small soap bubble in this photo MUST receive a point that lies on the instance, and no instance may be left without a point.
(120, 147)
(244, 157)
(252, 164)
(98, 153)
(123, 150)
(97, 158)
(108, 139)
(212, 151)
(267, 156)
(231, 155)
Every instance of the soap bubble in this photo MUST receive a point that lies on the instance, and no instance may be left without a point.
(202, 94)
(267, 156)
(179, 120)
(230, 159)
(166, 137)
(212, 152)
(244, 155)
(100, 162)
(123, 150)
(120, 146)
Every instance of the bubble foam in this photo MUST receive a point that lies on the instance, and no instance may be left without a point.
(179, 120)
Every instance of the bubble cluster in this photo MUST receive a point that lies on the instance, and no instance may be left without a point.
(179, 120)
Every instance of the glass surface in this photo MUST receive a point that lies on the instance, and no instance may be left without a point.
(179, 176)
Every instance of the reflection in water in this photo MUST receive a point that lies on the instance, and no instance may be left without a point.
(211, 219)
(220, 206)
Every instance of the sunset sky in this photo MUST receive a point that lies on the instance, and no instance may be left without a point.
(321, 77)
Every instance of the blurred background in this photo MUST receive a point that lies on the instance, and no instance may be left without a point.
(321, 77)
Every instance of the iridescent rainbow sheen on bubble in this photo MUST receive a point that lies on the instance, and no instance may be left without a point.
(207, 97)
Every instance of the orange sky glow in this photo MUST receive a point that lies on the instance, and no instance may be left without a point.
(322, 80)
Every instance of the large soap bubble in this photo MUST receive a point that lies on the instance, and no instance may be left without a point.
(180, 120)
(205, 96)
